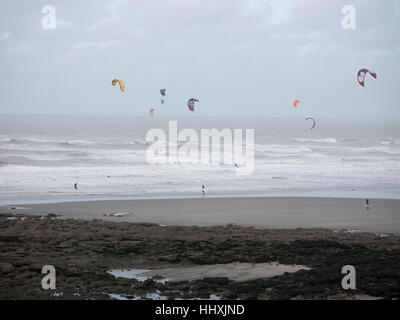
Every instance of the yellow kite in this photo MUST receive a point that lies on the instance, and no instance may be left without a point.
(121, 84)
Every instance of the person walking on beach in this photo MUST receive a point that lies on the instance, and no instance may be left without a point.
(203, 189)
(366, 205)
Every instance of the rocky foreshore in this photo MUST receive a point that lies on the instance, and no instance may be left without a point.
(83, 251)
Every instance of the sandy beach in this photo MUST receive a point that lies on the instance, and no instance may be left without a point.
(331, 213)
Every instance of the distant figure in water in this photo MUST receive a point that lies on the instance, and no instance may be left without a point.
(76, 186)
(366, 204)
(204, 191)
(236, 165)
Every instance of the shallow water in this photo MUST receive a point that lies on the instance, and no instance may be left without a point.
(234, 271)
(137, 274)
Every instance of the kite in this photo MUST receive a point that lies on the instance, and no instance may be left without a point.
(121, 84)
(309, 118)
(162, 91)
(361, 75)
(151, 112)
(191, 103)
(296, 102)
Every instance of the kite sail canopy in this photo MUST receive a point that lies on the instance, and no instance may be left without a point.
(162, 91)
(151, 112)
(296, 102)
(361, 75)
(309, 118)
(121, 84)
(191, 103)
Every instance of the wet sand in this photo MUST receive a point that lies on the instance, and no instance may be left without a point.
(233, 271)
(330, 213)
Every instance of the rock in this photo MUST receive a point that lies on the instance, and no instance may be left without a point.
(6, 267)
(36, 267)
(10, 239)
(169, 258)
(23, 269)
(216, 280)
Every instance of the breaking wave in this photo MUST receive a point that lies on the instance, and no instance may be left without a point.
(324, 140)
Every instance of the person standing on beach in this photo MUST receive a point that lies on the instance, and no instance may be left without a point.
(366, 205)
(204, 191)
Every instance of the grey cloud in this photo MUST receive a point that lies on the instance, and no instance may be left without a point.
(247, 57)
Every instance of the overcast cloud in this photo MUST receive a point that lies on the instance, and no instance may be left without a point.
(238, 57)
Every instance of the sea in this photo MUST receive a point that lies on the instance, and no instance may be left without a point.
(42, 157)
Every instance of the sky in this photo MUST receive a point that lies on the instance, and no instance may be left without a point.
(240, 58)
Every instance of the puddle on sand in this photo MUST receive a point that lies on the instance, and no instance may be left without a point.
(212, 297)
(352, 231)
(234, 271)
(382, 235)
(137, 274)
(155, 296)
(15, 208)
(150, 296)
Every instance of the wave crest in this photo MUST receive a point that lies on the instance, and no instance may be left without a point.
(323, 140)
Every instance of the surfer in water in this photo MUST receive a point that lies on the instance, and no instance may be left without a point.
(76, 186)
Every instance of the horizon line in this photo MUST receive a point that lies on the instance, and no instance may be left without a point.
(187, 116)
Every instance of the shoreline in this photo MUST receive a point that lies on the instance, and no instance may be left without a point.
(267, 212)
(389, 194)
